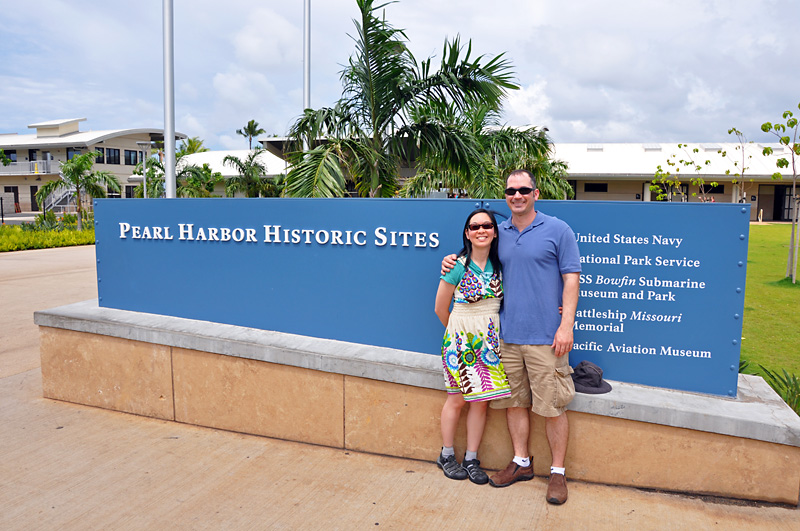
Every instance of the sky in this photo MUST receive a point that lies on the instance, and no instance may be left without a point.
(589, 71)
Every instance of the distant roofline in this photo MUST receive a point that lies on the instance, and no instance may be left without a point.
(78, 138)
(54, 123)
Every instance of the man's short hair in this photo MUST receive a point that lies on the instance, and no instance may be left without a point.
(526, 173)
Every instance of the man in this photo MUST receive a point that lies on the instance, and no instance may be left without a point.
(541, 272)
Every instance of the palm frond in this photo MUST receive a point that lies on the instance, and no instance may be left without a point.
(438, 146)
(373, 172)
(786, 385)
(318, 174)
(376, 70)
(315, 126)
(462, 81)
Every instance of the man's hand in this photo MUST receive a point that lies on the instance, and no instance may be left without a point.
(448, 263)
(562, 343)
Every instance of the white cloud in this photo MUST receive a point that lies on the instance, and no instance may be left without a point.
(242, 89)
(268, 40)
(229, 142)
(622, 70)
(192, 126)
(703, 98)
(529, 105)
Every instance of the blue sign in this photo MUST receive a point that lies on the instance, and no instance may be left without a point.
(662, 288)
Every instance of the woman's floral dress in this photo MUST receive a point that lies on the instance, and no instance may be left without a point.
(471, 345)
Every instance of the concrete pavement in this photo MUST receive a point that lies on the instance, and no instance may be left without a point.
(65, 466)
(17, 218)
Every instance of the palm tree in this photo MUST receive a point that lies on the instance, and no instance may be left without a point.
(363, 139)
(154, 180)
(191, 180)
(250, 131)
(500, 150)
(191, 145)
(252, 180)
(77, 175)
(197, 181)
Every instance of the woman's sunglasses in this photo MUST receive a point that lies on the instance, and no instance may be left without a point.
(485, 226)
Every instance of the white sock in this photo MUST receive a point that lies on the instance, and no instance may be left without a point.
(522, 461)
(556, 470)
(448, 450)
(470, 456)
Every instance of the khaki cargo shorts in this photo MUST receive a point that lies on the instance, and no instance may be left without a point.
(539, 380)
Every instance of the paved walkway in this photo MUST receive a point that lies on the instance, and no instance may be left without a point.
(17, 218)
(64, 466)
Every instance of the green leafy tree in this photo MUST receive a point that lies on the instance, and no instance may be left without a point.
(390, 115)
(251, 179)
(790, 141)
(189, 146)
(250, 131)
(739, 163)
(667, 183)
(5, 161)
(77, 175)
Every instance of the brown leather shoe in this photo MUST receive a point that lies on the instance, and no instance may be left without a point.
(557, 489)
(512, 473)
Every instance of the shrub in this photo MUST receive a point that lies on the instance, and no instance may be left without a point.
(19, 238)
(786, 385)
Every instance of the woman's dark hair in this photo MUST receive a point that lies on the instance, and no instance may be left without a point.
(494, 256)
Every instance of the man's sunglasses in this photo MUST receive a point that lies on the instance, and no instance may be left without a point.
(485, 226)
(523, 191)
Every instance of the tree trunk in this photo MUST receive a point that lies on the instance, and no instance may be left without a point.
(795, 237)
(791, 262)
(78, 207)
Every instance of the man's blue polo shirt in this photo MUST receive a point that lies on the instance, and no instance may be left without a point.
(533, 262)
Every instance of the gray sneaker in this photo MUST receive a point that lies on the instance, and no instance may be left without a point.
(476, 475)
(450, 467)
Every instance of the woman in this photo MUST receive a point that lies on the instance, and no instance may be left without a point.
(473, 371)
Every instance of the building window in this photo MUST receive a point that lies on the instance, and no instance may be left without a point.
(129, 191)
(12, 154)
(708, 189)
(71, 152)
(112, 156)
(130, 157)
(101, 155)
(595, 187)
(112, 194)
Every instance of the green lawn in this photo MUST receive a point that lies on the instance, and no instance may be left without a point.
(771, 327)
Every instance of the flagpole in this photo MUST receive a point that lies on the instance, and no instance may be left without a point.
(169, 102)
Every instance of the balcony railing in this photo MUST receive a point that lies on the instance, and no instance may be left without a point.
(30, 167)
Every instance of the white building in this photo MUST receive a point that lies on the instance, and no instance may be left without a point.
(624, 172)
(36, 157)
